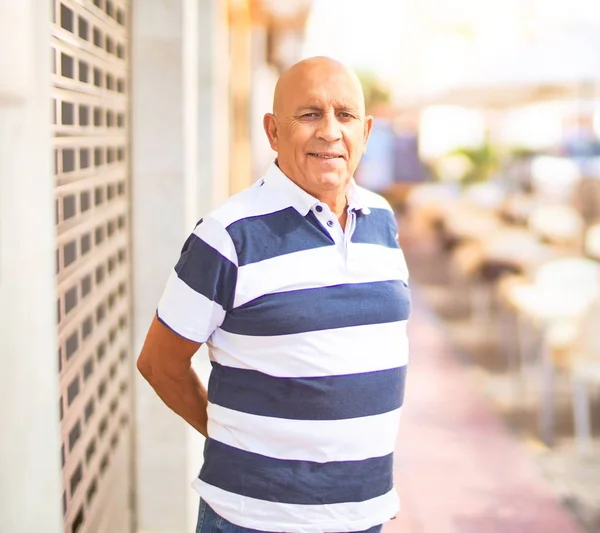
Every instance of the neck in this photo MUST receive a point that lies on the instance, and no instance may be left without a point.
(336, 201)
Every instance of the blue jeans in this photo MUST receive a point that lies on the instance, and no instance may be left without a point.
(211, 522)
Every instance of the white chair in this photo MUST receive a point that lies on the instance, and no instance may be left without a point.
(554, 178)
(427, 202)
(574, 276)
(487, 195)
(518, 206)
(517, 247)
(585, 372)
(464, 221)
(558, 297)
(591, 244)
(465, 265)
(558, 224)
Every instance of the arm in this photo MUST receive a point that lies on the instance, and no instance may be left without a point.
(166, 363)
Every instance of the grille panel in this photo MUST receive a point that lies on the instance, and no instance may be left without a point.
(89, 45)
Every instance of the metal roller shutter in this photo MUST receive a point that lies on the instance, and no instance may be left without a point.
(90, 124)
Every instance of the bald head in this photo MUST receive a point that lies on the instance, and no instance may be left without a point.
(300, 79)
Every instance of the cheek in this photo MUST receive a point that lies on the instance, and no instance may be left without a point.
(302, 133)
(355, 145)
(297, 131)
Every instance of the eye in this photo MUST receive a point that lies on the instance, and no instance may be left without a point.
(345, 116)
(309, 115)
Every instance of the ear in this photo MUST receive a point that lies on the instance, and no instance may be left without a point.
(271, 129)
(367, 132)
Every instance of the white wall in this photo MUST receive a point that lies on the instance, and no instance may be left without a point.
(179, 160)
(30, 482)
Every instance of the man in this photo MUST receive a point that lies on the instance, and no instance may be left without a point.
(299, 288)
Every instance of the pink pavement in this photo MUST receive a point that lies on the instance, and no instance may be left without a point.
(458, 468)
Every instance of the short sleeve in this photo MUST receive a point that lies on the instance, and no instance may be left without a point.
(201, 286)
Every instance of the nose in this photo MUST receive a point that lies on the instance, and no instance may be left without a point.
(329, 128)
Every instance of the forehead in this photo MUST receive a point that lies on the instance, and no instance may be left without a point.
(324, 90)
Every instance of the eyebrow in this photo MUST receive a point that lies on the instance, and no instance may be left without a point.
(308, 108)
(338, 107)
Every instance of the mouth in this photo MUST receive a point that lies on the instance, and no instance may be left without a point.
(326, 155)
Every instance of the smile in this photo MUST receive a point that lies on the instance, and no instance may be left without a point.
(325, 156)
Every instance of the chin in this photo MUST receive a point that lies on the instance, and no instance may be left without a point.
(332, 179)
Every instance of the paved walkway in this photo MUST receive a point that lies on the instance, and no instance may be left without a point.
(459, 470)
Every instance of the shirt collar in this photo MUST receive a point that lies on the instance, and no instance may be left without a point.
(356, 200)
(302, 201)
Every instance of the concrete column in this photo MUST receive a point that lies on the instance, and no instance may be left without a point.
(179, 160)
(264, 78)
(207, 141)
(30, 480)
(157, 230)
(206, 103)
(240, 83)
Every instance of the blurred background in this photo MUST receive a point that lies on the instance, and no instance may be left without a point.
(122, 122)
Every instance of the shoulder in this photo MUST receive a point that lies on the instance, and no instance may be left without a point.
(214, 227)
(236, 207)
(373, 200)
(254, 201)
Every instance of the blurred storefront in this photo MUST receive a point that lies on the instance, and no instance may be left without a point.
(534, 63)
(121, 123)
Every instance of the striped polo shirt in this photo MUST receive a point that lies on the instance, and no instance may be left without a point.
(306, 329)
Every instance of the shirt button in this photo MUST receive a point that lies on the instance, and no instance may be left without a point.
(319, 208)
(330, 223)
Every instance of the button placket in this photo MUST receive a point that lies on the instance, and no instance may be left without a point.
(324, 215)
(349, 231)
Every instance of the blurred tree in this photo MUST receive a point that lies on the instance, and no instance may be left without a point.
(485, 161)
(376, 91)
(524, 152)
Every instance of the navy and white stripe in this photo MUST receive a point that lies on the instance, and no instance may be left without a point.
(307, 337)
(314, 398)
